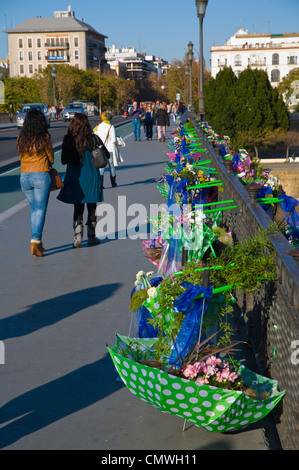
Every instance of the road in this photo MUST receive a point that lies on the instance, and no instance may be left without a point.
(58, 129)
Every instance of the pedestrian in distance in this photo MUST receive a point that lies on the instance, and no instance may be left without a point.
(162, 120)
(149, 121)
(155, 109)
(142, 119)
(136, 114)
(10, 112)
(82, 183)
(53, 112)
(106, 131)
(36, 155)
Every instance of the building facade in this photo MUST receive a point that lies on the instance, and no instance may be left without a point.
(276, 54)
(38, 42)
(137, 64)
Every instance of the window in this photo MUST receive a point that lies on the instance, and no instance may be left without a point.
(20, 43)
(76, 42)
(30, 55)
(275, 76)
(292, 60)
(275, 59)
(21, 68)
(29, 42)
(238, 60)
(39, 55)
(38, 42)
(30, 68)
(21, 55)
(39, 67)
(76, 54)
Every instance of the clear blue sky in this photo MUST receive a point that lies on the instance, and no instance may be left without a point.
(161, 27)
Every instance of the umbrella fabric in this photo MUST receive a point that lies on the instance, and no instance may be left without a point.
(214, 409)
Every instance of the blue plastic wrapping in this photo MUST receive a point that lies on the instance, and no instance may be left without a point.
(190, 329)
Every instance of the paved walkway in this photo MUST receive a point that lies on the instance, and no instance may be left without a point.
(59, 389)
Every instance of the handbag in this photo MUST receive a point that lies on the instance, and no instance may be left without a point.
(120, 142)
(56, 181)
(100, 154)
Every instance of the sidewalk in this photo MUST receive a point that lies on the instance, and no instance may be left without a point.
(59, 389)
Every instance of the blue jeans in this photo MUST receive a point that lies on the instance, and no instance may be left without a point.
(136, 128)
(36, 187)
(110, 165)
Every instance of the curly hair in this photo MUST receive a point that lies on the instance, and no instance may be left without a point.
(34, 133)
(81, 132)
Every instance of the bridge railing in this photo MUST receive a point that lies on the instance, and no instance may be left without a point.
(270, 319)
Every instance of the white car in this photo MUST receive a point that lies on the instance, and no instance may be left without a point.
(73, 108)
(27, 107)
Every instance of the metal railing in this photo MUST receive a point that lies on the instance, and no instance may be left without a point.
(269, 320)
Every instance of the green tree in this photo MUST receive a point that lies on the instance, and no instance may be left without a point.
(125, 90)
(219, 101)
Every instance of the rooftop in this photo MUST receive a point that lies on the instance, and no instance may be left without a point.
(53, 25)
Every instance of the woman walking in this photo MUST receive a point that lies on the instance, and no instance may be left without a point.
(36, 155)
(82, 183)
(106, 131)
(162, 120)
(149, 120)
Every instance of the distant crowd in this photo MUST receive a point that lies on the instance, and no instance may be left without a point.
(154, 117)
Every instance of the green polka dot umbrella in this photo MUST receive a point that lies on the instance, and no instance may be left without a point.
(214, 409)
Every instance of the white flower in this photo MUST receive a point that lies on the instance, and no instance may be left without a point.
(152, 292)
(150, 273)
(139, 275)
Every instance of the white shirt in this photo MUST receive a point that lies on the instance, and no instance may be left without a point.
(102, 131)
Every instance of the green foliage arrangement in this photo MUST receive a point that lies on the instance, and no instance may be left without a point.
(247, 105)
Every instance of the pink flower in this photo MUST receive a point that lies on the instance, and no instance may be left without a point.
(201, 380)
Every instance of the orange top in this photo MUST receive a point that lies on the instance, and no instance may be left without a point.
(35, 162)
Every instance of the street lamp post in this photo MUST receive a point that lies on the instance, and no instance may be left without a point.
(54, 76)
(186, 82)
(190, 57)
(201, 11)
(100, 89)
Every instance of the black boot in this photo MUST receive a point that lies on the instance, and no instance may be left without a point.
(113, 182)
(91, 234)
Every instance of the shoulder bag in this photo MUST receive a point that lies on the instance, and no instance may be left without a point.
(100, 154)
(56, 181)
(120, 142)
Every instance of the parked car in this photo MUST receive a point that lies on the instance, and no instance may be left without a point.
(26, 107)
(71, 109)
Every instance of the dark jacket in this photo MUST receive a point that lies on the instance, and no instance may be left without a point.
(135, 113)
(82, 182)
(161, 117)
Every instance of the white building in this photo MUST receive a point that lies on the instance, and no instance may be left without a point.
(137, 64)
(276, 54)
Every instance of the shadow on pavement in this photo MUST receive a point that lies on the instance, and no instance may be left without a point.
(48, 312)
(53, 401)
